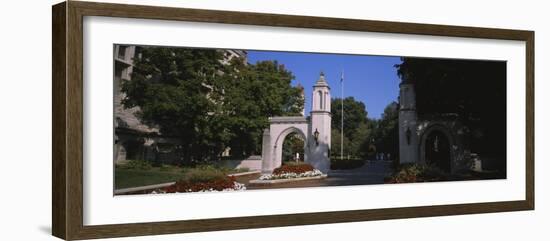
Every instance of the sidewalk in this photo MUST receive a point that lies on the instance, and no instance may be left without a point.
(373, 172)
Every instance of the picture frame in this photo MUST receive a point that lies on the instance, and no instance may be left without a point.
(68, 118)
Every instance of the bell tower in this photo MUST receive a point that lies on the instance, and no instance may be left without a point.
(320, 126)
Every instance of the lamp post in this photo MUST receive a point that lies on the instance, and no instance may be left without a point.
(316, 136)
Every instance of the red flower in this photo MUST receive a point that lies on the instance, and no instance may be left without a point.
(298, 169)
(218, 185)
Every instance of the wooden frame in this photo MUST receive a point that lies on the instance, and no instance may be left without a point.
(67, 75)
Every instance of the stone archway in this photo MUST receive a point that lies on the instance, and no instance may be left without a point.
(279, 129)
(315, 131)
(437, 151)
(278, 145)
(293, 146)
(436, 147)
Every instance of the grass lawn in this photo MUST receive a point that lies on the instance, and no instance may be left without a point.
(136, 177)
(125, 178)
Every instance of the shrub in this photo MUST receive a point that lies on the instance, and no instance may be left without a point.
(395, 164)
(408, 173)
(167, 168)
(138, 165)
(196, 175)
(242, 169)
(298, 169)
(344, 164)
(157, 164)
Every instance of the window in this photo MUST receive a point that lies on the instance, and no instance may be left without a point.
(119, 71)
(122, 52)
(320, 100)
(325, 100)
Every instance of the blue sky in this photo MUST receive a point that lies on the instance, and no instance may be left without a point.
(372, 80)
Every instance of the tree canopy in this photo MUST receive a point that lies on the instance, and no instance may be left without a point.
(363, 136)
(356, 127)
(255, 93)
(386, 132)
(355, 114)
(206, 102)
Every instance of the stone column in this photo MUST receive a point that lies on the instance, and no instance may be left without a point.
(319, 150)
(408, 131)
(266, 152)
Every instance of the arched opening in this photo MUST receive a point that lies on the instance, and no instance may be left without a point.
(279, 145)
(438, 150)
(325, 106)
(293, 149)
(320, 100)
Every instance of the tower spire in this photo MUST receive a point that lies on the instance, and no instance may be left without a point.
(321, 81)
(320, 125)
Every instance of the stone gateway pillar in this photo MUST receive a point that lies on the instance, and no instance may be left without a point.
(315, 131)
(408, 131)
(266, 152)
(320, 126)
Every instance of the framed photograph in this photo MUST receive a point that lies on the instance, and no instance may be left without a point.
(171, 120)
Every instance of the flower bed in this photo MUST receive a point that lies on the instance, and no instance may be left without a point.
(298, 169)
(292, 171)
(222, 185)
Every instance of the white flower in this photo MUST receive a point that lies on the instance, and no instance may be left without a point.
(236, 187)
(289, 175)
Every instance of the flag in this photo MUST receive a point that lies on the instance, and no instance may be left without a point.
(342, 77)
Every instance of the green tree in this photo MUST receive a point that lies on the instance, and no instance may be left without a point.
(356, 129)
(336, 145)
(361, 138)
(195, 95)
(255, 93)
(355, 114)
(177, 90)
(386, 134)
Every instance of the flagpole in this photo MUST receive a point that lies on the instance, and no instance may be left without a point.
(342, 120)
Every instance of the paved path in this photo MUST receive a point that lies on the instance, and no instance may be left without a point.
(373, 172)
